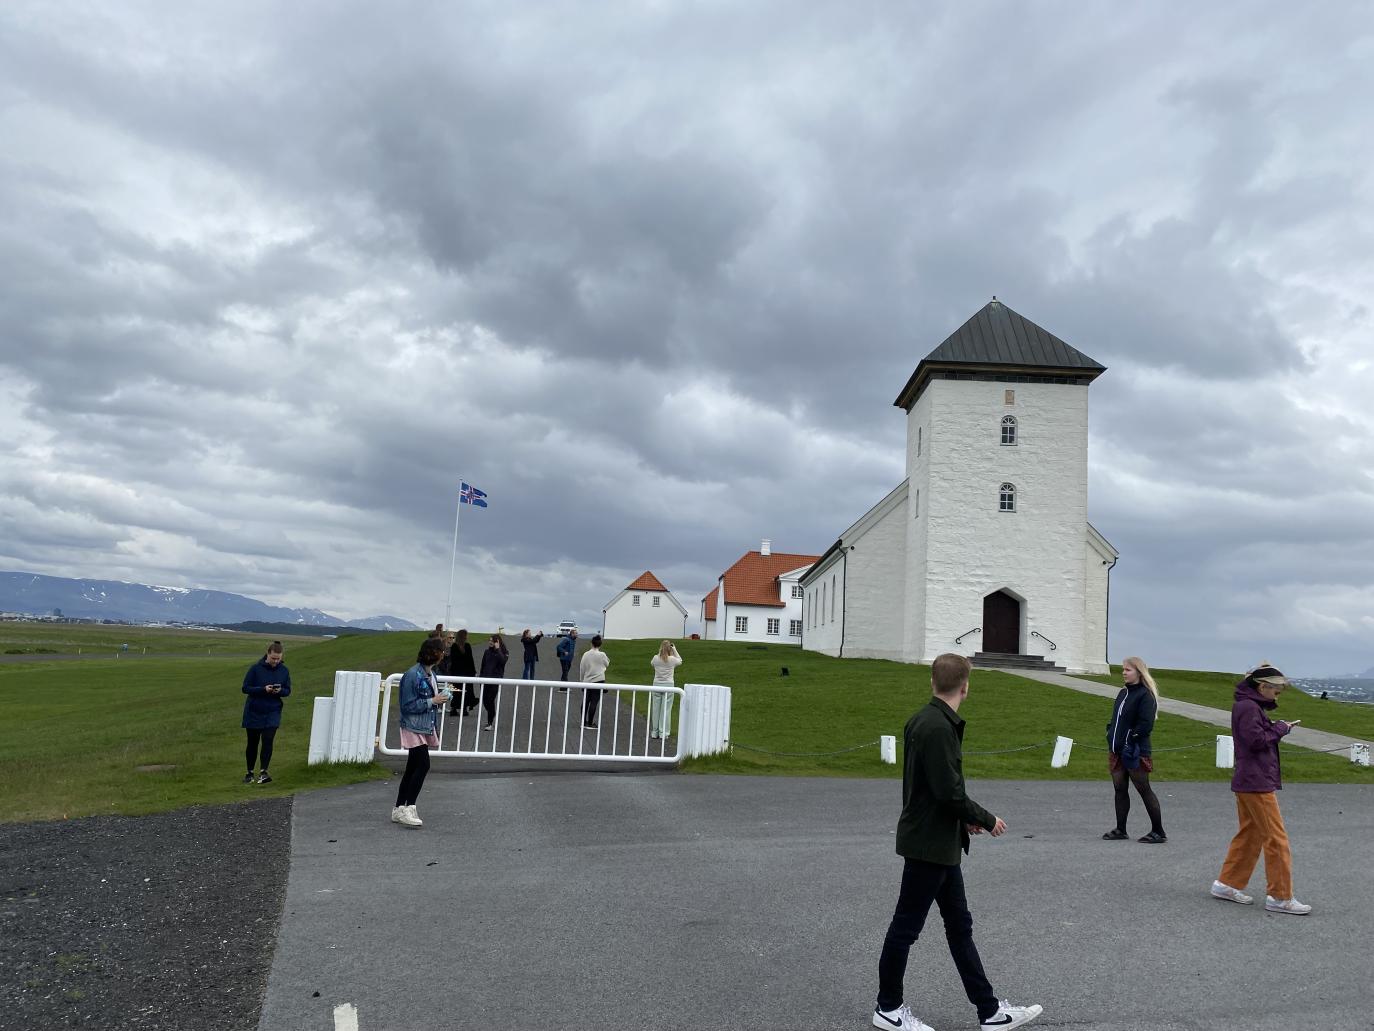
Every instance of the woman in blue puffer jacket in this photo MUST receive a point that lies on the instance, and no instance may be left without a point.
(1128, 750)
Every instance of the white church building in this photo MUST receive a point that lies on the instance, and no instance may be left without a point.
(985, 548)
(645, 608)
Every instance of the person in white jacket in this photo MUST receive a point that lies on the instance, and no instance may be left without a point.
(592, 670)
(661, 705)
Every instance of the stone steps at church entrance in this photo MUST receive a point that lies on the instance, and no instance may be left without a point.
(1010, 660)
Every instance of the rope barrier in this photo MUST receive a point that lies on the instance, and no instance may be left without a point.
(803, 755)
(1008, 751)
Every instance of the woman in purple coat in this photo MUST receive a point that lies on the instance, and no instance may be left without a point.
(1256, 782)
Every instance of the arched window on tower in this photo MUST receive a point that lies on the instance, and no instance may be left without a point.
(1008, 430)
(1007, 498)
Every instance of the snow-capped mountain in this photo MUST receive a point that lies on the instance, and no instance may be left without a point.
(143, 603)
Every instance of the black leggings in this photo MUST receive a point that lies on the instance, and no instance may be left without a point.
(417, 766)
(1141, 780)
(265, 735)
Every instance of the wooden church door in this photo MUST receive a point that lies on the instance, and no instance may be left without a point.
(1001, 623)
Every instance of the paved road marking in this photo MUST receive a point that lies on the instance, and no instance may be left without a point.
(345, 1017)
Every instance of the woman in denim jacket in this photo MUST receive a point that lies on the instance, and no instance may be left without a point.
(420, 701)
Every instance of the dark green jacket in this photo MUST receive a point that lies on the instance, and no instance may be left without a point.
(935, 809)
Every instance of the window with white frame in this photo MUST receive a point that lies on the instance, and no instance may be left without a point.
(796, 590)
(1006, 501)
(774, 626)
(741, 624)
(634, 599)
(1008, 430)
(794, 628)
(657, 599)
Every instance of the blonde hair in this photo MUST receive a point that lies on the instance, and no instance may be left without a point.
(1139, 665)
(664, 649)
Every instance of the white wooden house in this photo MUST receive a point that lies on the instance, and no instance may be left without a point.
(759, 598)
(645, 608)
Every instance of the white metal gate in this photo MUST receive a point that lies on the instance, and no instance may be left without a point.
(544, 719)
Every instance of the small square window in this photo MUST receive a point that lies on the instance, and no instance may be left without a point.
(774, 626)
(657, 599)
(741, 624)
(796, 590)
(794, 627)
(634, 600)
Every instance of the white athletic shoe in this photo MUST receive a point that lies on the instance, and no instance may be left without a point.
(900, 1019)
(1291, 906)
(415, 815)
(1009, 1016)
(396, 811)
(407, 818)
(1230, 894)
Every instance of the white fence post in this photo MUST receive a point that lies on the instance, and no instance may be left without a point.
(319, 731)
(1063, 747)
(1359, 754)
(887, 749)
(1226, 752)
(705, 723)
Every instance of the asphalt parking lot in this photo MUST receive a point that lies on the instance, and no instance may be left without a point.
(621, 900)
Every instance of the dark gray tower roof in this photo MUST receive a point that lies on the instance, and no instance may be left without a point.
(995, 341)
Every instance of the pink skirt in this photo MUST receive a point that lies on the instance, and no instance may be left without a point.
(410, 739)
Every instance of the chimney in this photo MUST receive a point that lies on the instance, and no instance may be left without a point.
(766, 548)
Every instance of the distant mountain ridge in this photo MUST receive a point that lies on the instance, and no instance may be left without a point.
(35, 594)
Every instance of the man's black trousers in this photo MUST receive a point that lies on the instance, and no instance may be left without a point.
(922, 884)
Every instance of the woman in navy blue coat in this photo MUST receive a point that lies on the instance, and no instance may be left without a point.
(266, 683)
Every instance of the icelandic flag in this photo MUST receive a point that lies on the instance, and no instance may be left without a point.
(470, 495)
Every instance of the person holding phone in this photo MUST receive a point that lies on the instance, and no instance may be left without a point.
(661, 705)
(493, 665)
(420, 702)
(1256, 782)
(266, 683)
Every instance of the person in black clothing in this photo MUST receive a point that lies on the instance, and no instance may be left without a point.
(531, 649)
(1128, 750)
(937, 819)
(266, 683)
(493, 665)
(461, 664)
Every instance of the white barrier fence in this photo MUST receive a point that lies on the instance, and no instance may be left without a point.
(530, 719)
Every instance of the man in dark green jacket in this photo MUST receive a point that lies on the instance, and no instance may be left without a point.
(932, 835)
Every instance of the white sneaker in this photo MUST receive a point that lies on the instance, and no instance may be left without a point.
(396, 811)
(900, 1019)
(1230, 894)
(1008, 1016)
(1292, 906)
(406, 817)
(415, 815)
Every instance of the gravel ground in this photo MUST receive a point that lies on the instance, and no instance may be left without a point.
(150, 922)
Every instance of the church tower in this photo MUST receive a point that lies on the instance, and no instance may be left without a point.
(1000, 560)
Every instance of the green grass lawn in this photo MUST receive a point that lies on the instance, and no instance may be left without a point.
(1218, 691)
(88, 638)
(827, 704)
(74, 734)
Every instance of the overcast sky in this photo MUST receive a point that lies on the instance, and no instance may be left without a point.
(273, 278)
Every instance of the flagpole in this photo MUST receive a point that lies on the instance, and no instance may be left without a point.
(453, 562)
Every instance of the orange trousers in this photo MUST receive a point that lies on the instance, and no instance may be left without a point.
(1261, 830)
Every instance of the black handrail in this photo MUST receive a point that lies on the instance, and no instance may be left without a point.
(960, 638)
(1053, 647)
